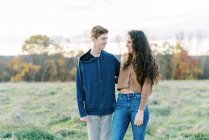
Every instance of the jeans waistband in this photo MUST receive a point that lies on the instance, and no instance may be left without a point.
(129, 94)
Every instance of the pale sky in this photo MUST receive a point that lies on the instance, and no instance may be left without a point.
(160, 19)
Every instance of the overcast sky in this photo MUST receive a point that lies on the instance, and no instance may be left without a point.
(160, 19)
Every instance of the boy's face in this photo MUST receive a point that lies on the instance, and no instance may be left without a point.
(101, 41)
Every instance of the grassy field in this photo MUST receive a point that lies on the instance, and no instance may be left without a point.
(47, 111)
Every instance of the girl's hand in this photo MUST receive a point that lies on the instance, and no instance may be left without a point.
(139, 118)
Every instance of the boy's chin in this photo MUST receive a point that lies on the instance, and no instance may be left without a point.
(102, 48)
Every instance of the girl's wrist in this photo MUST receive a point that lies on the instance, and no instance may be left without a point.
(139, 110)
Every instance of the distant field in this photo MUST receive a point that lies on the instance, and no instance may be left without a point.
(47, 111)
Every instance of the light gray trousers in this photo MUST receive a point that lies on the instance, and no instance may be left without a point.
(99, 127)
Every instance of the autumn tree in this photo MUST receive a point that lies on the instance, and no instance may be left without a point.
(20, 69)
(183, 65)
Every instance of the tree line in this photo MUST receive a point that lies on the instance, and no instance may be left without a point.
(46, 60)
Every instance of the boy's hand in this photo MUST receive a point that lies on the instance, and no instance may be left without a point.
(84, 119)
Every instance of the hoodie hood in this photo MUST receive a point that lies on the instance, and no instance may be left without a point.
(86, 59)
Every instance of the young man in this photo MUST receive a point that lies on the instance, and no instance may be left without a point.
(95, 84)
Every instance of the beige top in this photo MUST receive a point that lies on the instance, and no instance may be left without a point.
(127, 80)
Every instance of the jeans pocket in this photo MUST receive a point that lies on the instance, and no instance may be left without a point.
(121, 102)
(138, 96)
(120, 98)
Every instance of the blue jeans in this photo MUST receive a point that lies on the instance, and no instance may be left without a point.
(125, 111)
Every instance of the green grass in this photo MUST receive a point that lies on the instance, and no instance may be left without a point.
(179, 110)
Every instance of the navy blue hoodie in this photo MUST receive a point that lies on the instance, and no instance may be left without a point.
(95, 83)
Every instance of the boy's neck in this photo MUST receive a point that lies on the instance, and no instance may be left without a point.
(95, 51)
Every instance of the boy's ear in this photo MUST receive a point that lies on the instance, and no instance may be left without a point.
(93, 39)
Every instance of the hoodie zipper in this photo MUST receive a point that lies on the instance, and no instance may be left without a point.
(100, 82)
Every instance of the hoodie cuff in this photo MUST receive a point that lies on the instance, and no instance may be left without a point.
(83, 114)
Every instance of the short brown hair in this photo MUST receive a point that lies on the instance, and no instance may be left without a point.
(98, 30)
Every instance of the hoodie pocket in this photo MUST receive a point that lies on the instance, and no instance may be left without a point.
(92, 99)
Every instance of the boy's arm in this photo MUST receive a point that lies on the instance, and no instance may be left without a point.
(117, 70)
(80, 92)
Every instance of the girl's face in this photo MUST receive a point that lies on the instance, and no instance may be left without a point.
(129, 44)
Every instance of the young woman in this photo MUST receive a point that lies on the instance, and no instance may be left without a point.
(138, 73)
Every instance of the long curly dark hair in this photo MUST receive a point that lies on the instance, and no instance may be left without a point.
(144, 64)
